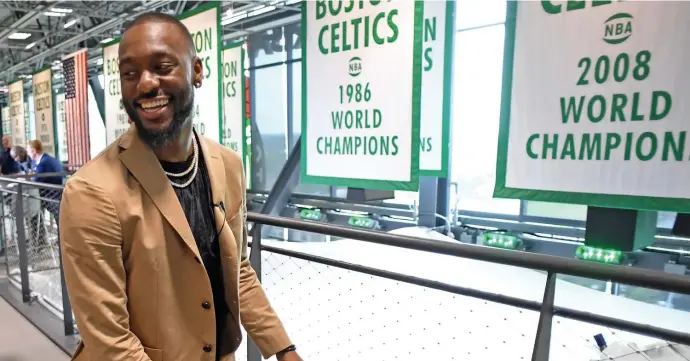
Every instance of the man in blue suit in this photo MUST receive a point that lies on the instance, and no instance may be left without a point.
(45, 163)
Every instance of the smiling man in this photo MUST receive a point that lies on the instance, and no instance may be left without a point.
(153, 231)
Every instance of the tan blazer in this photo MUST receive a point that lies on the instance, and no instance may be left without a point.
(138, 289)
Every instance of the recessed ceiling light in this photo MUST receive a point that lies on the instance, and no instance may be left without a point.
(19, 36)
(61, 10)
(52, 13)
(30, 46)
(70, 23)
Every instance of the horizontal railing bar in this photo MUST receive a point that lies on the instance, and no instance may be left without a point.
(423, 282)
(56, 187)
(627, 275)
(37, 175)
(587, 317)
(633, 327)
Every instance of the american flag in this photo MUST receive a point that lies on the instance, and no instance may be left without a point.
(74, 68)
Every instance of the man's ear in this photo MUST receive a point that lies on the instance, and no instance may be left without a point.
(197, 71)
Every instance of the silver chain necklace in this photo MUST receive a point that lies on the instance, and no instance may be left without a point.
(194, 167)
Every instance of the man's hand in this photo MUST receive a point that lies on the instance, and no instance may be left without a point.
(288, 356)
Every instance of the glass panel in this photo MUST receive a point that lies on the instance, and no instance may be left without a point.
(267, 47)
(666, 219)
(578, 212)
(96, 126)
(473, 13)
(476, 111)
(656, 297)
(269, 140)
(575, 212)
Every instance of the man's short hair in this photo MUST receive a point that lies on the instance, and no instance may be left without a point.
(36, 145)
(155, 17)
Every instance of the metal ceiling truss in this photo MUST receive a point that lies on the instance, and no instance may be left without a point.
(85, 24)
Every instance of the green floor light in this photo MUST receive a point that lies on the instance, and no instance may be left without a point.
(505, 240)
(600, 255)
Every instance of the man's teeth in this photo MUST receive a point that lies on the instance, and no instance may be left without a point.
(154, 104)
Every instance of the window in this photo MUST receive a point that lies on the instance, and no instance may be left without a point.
(96, 126)
(473, 13)
(476, 111)
(578, 212)
(575, 212)
(269, 138)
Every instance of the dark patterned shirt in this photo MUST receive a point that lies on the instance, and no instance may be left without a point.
(196, 201)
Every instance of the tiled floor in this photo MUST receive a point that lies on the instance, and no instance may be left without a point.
(20, 340)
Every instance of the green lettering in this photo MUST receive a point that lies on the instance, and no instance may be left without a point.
(619, 102)
(569, 147)
(576, 109)
(591, 145)
(335, 36)
(575, 5)
(652, 148)
(628, 145)
(613, 140)
(393, 26)
(320, 9)
(677, 148)
(636, 117)
(655, 113)
(550, 8)
(322, 32)
(430, 29)
(602, 108)
(546, 146)
(530, 152)
(377, 39)
(429, 63)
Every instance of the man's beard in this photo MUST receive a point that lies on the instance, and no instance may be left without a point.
(160, 138)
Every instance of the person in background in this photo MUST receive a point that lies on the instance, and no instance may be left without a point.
(8, 165)
(45, 163)
(20, 155)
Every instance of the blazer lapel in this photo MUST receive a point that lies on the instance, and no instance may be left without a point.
(144, 166)
(216, 169)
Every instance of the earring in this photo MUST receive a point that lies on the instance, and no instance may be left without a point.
(197, 84)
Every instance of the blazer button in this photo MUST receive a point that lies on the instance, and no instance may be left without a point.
(206, 305)
(208, 348)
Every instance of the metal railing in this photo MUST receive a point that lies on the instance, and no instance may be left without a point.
(546, 309)
(29, 232)
(30, 238)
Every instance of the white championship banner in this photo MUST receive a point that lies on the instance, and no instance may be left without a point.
(596, 97)
(61, 131)
(6, 123)
(42, 83)
(437, 65)
(18, 123)
(116, 118)
(204, 25)
(234, 115)
(361, 90)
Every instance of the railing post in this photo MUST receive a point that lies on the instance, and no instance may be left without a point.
(253, 353)
(22, 245)
(67, 318)
(542, 342)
